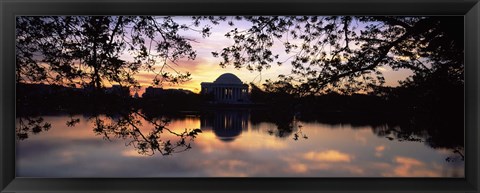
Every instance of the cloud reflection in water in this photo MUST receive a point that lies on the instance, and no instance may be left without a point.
(231, 145)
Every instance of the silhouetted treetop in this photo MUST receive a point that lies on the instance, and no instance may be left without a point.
(94, 50)
(345, 53)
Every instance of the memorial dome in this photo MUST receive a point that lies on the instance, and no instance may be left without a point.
(228, 78)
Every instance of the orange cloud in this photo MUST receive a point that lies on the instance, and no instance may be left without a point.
(408, 161)
(132, 153)
(298, 168)
(379, 150)
(410, 167)
(328, 156)
(209, 143)
(227, 168)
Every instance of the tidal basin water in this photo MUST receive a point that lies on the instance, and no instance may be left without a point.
(238, 143)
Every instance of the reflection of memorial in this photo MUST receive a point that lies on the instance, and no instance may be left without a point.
(225, 124)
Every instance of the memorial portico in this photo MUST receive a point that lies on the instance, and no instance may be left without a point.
(227, 88)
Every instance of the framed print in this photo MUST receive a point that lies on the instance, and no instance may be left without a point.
(304, 96)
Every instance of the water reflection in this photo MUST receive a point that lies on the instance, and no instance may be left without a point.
(234, 142)
(226, 124)
(146, 135)
(147, 142)
(29, 125)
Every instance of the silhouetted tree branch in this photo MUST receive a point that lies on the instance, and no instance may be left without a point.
(30, 125)
(95, 50)
(129, 127)
(345, 54)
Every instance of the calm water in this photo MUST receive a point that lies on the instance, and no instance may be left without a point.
(233, 143)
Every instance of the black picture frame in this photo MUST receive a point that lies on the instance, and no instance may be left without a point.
(11, 8)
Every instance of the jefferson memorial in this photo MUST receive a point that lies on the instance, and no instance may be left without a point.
(227, 89)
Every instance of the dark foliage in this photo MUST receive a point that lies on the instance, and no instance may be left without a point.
(346, 54)
(91, 50)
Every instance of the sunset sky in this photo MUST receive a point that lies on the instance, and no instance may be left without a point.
(206, 68)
